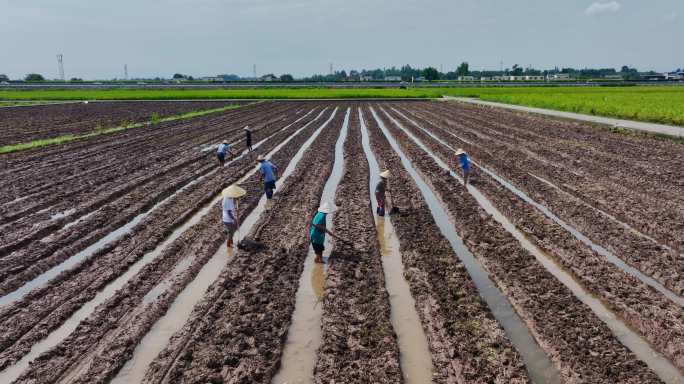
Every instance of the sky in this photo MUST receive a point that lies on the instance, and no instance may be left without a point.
(302, 37)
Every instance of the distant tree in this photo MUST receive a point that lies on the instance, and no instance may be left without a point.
(463, 69)
(431, 73)
(624, 69)
(516, 70)
(178, 76)
(286, 78)
(190, 78)
(34, 77)
(76, 79)
(3, 77)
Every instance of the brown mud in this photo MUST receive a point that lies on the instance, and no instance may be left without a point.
(466, 342)
(358, 343)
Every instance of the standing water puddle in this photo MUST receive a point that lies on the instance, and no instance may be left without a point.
(577, 234)
(74, 260)
(538, 364)
(179, 312)
(416, 361)
(304, 334)
(631, 339)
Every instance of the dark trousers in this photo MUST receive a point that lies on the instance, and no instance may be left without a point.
(269, 187)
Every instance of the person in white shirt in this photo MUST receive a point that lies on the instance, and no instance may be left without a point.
(229, 211)
(223, 148)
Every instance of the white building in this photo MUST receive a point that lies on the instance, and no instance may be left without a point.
(466, 78)
(392, 78)
(558, 76)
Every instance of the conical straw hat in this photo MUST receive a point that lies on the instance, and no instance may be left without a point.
(460, 151)
(385, 174)
(327, 208)
(261, 158)
(234, 191)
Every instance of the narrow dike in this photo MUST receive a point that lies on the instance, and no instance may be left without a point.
(416, 361)
(465, 341)
(237, 332)
(358, 341)
(110, 212)
(94, 276)
(304, 334)
(653, 257)
(561, 315)
(650, 313)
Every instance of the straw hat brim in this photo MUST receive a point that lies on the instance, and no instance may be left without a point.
(234, 192)
(386, 174)
(460, 152)
(327, 208)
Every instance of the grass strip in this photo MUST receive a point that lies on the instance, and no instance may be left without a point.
(67, 138)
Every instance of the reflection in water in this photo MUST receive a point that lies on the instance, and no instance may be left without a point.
(380, 222)
(318, 280)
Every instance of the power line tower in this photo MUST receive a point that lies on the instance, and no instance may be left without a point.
(331, 69)
(126, 71)
(254, 71)
(60, 63)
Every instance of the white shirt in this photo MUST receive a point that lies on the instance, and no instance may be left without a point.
(228, 206)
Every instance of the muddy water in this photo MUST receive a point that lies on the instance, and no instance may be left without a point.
(538, 364)
(416, 361)
(71, 262)
(627, 336)
(612, 258)
(179, 312)
(304, 334)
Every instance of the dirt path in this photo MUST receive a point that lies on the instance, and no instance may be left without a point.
(646, 127)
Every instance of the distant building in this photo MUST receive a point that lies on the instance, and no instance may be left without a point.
(392, 78)
(213, 79)
(613, 77)
(268, 78)
(558, 77)
(366, 78)
(674, 76)
(466, 78)
(655, 77)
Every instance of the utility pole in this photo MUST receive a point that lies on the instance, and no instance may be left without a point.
(501, 66)
(254, 71)
(331, 69)
(60, 64)
(126, 71)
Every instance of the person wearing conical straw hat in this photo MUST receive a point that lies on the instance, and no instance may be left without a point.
(221, 152)
(248, 138)
(317, 230)
(380, 192)
(464, 162)
(270, 174)
(229, 211)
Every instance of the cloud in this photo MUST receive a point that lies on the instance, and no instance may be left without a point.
(599, 7)
(670, 17)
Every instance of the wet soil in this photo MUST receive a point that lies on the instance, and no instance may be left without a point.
(46, 121)
(358, 343)
(30, 319)
(237, 332)
(581, 345)
(650, 313)
(466, 342)
(632, 204)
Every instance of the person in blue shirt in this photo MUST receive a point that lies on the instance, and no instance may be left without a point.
(270, 174)
(317, 230)
(464, 162)
(223, 148)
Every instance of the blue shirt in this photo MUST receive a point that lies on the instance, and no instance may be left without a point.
(222, 148)
(267, 170)
(465, 162)
(316, 235)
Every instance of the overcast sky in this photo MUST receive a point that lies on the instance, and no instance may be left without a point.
(209, 37)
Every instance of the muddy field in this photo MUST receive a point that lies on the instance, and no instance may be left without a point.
(24, 124)
(562, 262)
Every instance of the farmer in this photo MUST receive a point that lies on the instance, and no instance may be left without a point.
(221, 152)
(269, 173)
(464, 161)
(317, 230)
(248, 138)
(229, 211)
(380, 189)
